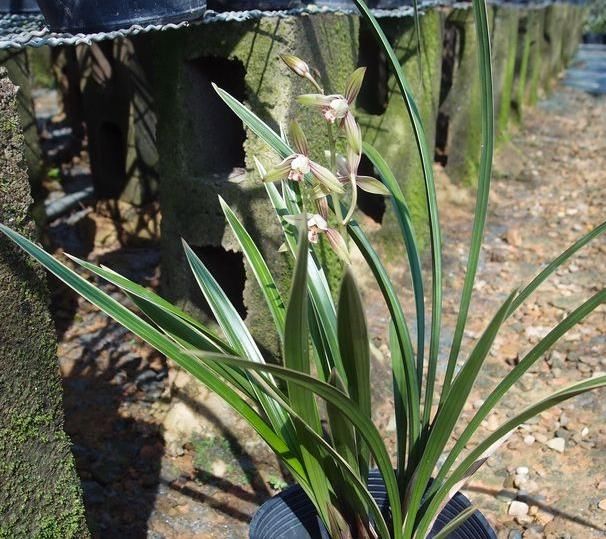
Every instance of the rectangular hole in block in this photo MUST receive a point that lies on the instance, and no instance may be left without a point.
(217, 141)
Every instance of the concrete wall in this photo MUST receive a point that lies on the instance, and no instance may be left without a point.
(40, 494)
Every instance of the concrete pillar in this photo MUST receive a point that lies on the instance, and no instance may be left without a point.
(17, 64)
(387, 126)
(460, 108)
(118, 110)
(504, 34)
(40, 494)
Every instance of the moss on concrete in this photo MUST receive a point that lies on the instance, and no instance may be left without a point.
(534, 22)
(504, 40)
(462, 106)
(17, 64)
(40, 495)
(391, 133)
(555, 32)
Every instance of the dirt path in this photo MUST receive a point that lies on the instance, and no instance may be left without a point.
(549, 188)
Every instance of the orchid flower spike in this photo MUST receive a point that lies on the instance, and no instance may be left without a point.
(296, 166)
(337, 107)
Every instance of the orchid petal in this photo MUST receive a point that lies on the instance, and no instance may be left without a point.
(353, 133)
(279, 172)
(338, 245)
(326, 178)
(354, 84)
(314, 100)
(372, 185)
(298, 139)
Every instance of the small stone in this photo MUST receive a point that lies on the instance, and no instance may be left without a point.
(515, 534)
(584, 432)
(518, 509)
(529, 439)
(522, 470)
(519, 481)
(219, 468)
(602, 504)
(557, 444)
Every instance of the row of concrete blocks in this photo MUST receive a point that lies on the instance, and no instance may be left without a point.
(204, 152)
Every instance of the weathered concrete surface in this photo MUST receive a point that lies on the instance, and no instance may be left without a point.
(461, 105)
(17, 64)
(40, 495)
(205, 152)
(504, 34)
(390, 131)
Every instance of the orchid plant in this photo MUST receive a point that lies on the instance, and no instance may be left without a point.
(325, 343)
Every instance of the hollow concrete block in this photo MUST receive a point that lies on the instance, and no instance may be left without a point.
(461, 102)
(205, 152)
(17, 63)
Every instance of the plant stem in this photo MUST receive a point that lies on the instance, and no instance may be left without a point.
(335, 197)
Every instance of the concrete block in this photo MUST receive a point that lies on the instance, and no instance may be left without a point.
(117, 107)
(40, 494)
(385, 120)
(205, 152)
(17, 64)
(460, 105)
(504, 34)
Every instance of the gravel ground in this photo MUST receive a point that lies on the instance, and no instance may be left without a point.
(548, 479)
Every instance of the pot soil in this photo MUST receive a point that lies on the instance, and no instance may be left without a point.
(291, 515)
(88, 16)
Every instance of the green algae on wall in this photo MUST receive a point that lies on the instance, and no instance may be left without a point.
(390, 131)
(533, 23)
(462, 104)
(17, 64)
(40, 495)
(504, 40)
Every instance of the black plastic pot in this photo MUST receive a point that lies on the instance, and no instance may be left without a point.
(88, 16)
(291, 515)
(19, 7)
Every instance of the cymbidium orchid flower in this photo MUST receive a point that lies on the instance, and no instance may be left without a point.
(296, 166)
(337, 107)
(316, 226)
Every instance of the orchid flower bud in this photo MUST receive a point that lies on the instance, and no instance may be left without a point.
(338, 245)
(296, 65)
